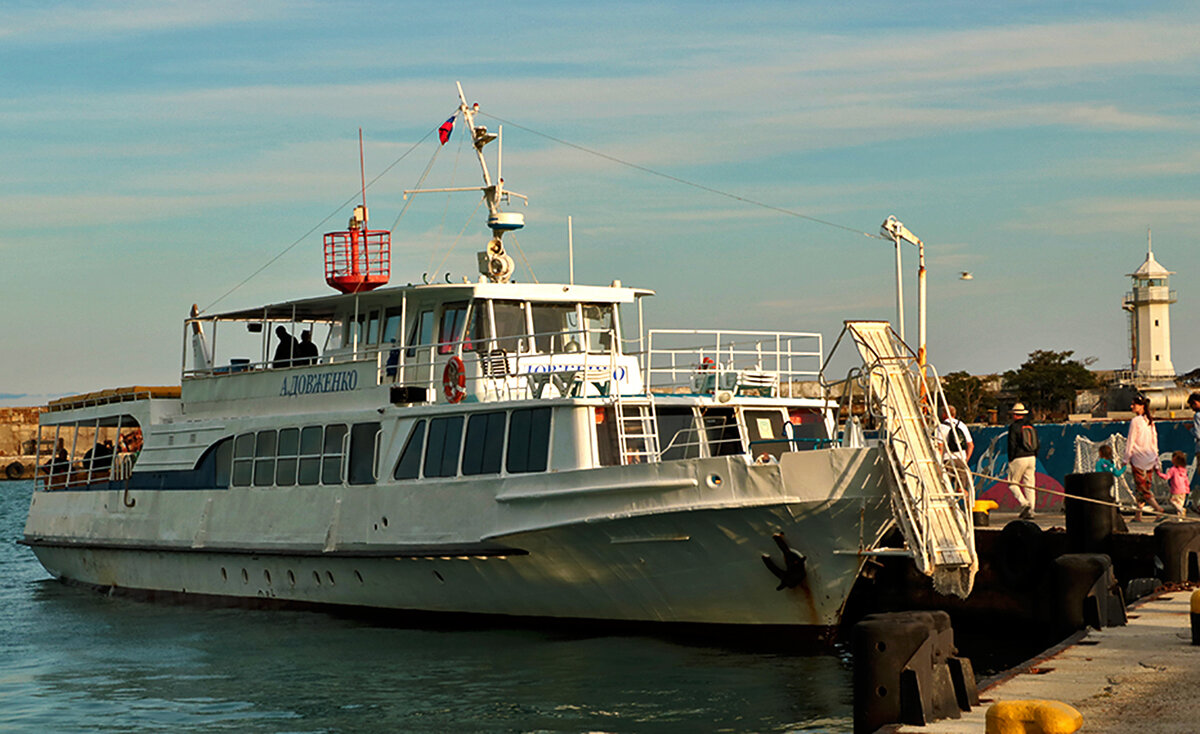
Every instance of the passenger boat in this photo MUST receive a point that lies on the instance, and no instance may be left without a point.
(496, 448)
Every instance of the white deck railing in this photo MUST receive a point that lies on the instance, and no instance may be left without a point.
(701, 361)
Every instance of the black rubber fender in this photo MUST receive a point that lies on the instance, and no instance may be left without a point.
(1018, 559)
(14, 470)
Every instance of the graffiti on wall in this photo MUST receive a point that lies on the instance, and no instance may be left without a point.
(1056, 459)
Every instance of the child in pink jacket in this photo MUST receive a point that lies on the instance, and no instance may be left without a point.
(1177, 480)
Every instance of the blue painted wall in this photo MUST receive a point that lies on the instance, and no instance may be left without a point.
(1056, 458)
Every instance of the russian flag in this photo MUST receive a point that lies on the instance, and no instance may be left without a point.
(446, 128)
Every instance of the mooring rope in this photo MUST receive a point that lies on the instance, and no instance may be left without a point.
(1064, 495)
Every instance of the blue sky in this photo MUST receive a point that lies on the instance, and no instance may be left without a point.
(156, 154)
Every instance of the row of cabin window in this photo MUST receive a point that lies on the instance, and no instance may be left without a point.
(304, 456)
(510, 322)
(442, 444)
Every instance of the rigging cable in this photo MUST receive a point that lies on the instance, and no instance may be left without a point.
(408, 199)
(459, 237)
(683, 181)
(318, 225)
(525, 259)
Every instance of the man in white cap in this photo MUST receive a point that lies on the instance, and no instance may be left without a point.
(1022, 460)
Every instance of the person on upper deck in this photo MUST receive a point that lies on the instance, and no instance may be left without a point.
(61, 463)
(306, 351)
(286, 351)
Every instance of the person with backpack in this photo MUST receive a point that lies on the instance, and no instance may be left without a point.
(956, 441)
(1022, 460)
(1141, 452)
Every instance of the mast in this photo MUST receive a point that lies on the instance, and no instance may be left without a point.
(494, 263)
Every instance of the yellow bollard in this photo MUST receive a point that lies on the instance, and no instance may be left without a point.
(980, 510)
(1033, 717)
(1195, 604)
(984, 506)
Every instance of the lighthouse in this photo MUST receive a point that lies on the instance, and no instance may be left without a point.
(1148, 303)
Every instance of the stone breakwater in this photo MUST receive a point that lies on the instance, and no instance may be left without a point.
(18, 442)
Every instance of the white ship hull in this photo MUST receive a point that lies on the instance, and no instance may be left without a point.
(648, 543)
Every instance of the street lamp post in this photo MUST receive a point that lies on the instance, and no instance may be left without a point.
(894, 230)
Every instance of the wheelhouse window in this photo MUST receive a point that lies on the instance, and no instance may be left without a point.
(511, 328)
(422, 332)
(454, 318)
(528, 440)
(363, 329)
(598, 323)
(551, 324)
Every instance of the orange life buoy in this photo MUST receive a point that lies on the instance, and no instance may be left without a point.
(454, 379)
(707, 364)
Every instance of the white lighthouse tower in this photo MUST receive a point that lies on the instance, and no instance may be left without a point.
(1148, 304)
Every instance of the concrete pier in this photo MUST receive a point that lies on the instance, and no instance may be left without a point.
(1143, 676)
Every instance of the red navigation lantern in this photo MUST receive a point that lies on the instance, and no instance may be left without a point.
(358, 259)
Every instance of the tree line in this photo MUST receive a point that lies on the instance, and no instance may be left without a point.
(1046, 382)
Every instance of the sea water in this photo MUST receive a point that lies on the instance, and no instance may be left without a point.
(74, 660)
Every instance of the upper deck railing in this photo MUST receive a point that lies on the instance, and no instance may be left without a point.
(746, 363)
(577, 363)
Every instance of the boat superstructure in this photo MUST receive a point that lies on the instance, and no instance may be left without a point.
(498, 448)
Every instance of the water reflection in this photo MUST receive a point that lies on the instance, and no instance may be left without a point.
(75, 660)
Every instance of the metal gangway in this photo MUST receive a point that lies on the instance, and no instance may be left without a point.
(932, 510)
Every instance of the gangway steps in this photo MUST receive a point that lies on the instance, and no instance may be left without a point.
(932, 513)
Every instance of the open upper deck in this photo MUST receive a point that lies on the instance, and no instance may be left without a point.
(477, 342)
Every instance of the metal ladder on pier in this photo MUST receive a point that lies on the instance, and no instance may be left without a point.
(637, 430)
(932, 513)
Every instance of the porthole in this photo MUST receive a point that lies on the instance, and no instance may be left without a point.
(245, 576)
(291, 578)
(224, 574)
(714, 480)
(385, 521)
(329, 577)
(358, 576)
(267, 576)
(317, 578)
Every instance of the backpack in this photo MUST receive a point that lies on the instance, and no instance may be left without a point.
(956, 439)
(1027, 439)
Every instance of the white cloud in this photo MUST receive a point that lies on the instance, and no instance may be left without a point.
(58, 23)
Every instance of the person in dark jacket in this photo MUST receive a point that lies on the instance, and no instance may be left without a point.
(1022, 460)
(306, 351)
(286, 351)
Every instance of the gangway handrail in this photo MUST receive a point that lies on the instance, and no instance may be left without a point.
(931, 509)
